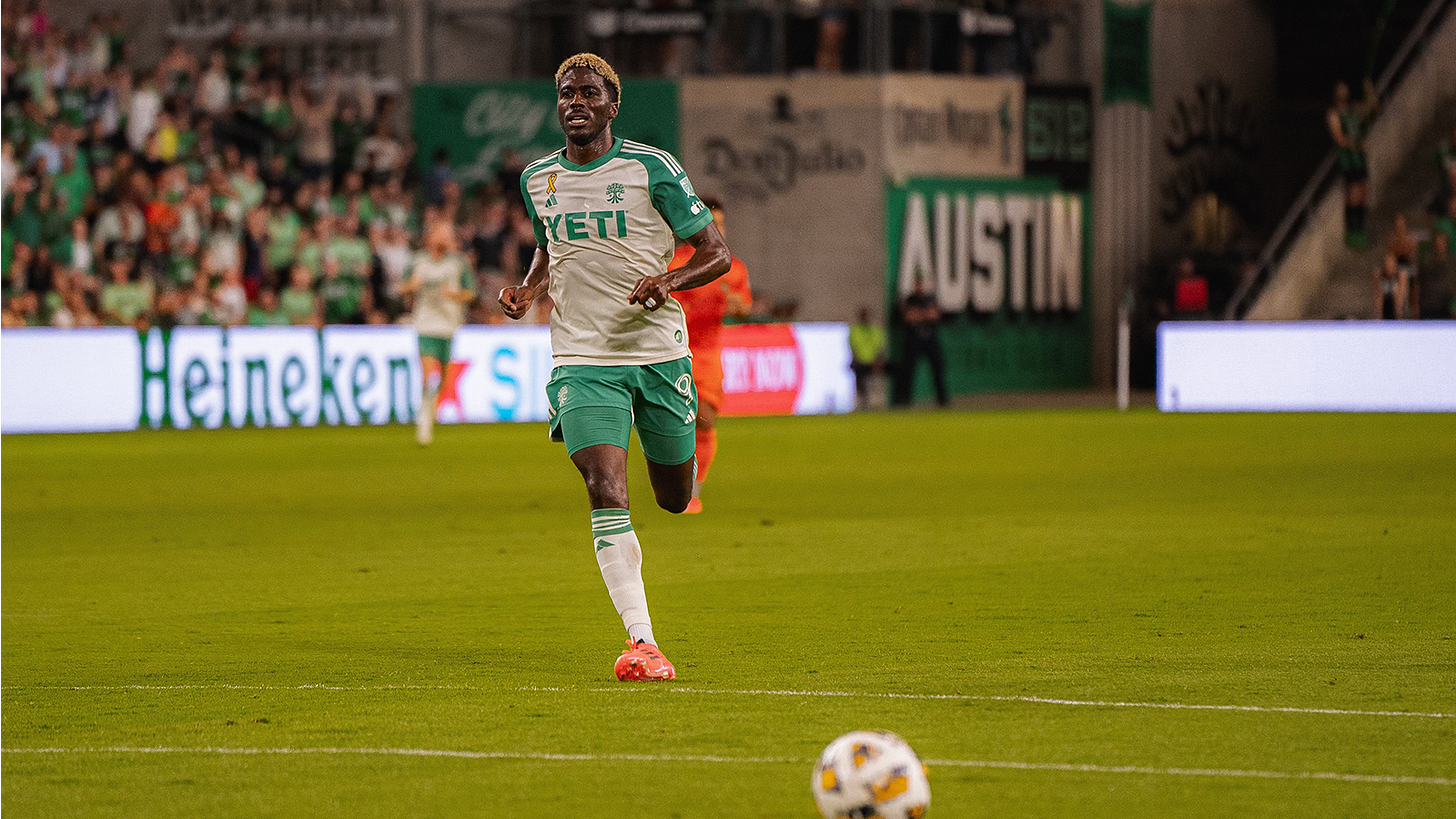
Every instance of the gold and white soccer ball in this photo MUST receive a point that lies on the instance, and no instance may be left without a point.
(866, 774)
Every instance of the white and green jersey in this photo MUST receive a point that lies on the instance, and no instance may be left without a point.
(606, 224)
(436, 314)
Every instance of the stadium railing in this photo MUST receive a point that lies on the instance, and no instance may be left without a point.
(1314, 200)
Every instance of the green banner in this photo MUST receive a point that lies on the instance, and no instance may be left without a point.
(1127, 48)
(478, 122)
(1008, 261)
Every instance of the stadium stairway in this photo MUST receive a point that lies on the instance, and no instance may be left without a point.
(1307, 271)
(1346, 293)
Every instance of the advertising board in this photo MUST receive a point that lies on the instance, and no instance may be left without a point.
(1307, 366)
(113, 379)
(797, 163)
(1007, 263)
(952, 126)
(478, 122)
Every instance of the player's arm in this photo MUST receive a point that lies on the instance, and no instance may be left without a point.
(409, 284)
(464, 289)
(515, 301)
(710, 260)
(740, 296)
(1337, 133)
(1372, 100)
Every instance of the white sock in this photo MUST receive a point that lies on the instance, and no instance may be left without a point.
(619, 556)
(425, 421)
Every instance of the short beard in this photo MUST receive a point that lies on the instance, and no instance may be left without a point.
(582, 140)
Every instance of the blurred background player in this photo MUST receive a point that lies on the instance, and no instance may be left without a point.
(442, 283)
(706, 307)
(869, 347)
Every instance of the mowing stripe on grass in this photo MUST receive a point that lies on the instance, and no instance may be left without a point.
(1177, 706)
(746, 760)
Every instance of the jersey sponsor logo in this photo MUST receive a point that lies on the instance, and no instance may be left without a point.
(575, 226)
(551, 191)
(615, 192)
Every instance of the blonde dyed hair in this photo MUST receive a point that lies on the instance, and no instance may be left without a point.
(592, 62)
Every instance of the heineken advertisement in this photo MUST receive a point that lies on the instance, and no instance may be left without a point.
(479, 122)
(1008, 263)
(109, 379)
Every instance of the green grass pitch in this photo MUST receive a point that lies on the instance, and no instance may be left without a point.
(341, 593)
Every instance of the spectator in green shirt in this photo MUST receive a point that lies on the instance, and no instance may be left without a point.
(247, 185)
(868, 348)
(352, 193)
(21, 217)
(74, 251)
(284, 230)
(343, 293)
(7, 249)
(1447, 223)
(73, 184)
(268, 312)
(351, 249)
(123, 300)
(311, 251)
(298, 301)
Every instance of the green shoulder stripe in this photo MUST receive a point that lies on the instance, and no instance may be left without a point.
(672, 194)
(541, 163)
(657, 167)
(643, 148)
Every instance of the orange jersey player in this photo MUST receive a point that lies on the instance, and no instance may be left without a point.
(705, 308)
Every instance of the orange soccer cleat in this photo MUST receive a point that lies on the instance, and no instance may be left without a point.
(695, 507)
(642, 662)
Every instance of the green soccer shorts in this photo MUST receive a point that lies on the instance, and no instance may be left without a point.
(436, 348)
(592, 405)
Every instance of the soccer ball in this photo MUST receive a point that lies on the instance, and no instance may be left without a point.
(866, 774)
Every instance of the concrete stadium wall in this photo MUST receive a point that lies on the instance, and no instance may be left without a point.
(1212, 70)
(801, 165)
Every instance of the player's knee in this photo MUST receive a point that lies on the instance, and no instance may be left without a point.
(674, 495)
(674, 501)
(605, 491)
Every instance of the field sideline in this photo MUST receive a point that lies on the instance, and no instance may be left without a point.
(1069, 613)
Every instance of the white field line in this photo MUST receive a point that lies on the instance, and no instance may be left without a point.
(746, 760)
(1038, 700)
(1177, 706)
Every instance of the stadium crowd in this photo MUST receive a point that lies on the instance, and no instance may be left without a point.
(217, 188)
(1416, 275)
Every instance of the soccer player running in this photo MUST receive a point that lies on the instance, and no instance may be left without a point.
(605, 211)
(706, 307)
(441, 281)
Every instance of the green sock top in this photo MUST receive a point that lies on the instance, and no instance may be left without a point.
(610, 522)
